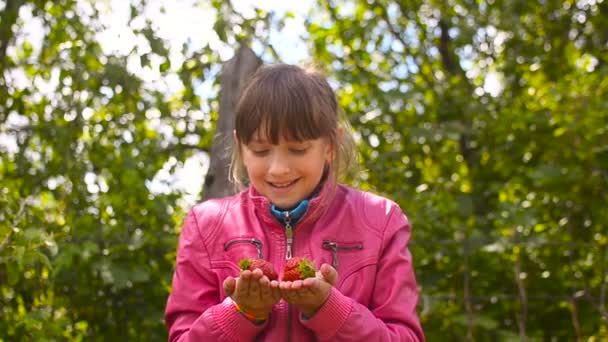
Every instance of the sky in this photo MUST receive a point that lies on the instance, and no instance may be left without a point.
(181, 21)
(186, 21)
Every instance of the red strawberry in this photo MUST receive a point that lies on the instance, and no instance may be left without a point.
(298, 268)
(266, 267)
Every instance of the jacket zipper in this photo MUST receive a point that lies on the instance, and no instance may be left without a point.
(334, 247)
(288, 255)
(288, 235)
(257, 243)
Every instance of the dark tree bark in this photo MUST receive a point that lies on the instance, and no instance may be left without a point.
(235, 74)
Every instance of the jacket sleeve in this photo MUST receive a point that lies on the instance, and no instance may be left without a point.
(194, 311)
(391, 315)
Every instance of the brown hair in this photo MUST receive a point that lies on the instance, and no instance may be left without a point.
(294, 103)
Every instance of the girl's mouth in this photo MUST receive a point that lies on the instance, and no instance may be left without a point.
(283, 185)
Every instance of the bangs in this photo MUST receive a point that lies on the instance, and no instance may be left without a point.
(285, 102)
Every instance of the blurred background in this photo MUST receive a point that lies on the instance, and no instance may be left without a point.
(486, 120)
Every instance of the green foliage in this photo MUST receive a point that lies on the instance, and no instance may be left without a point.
(87, 249)
(505, 185)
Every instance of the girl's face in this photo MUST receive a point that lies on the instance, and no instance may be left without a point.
(288, 172)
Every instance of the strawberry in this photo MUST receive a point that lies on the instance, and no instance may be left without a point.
(298, 268)
(266, 267)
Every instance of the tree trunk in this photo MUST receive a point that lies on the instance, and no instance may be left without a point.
(234, 75)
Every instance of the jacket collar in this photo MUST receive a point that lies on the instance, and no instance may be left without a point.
(316, 206)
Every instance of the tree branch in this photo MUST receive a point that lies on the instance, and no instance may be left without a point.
(468, 304)
(595, 305)
(575, 320)
(602, 304)
(8, 18)
(406, 48)
(444, 49)
(181, 147)
(523, 299)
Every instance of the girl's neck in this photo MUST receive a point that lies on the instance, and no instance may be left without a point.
(295, 214)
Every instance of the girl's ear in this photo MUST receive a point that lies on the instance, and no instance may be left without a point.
(333, 146)
(340, 133)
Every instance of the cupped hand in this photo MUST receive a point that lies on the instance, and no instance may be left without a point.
(310, 294)
(253, 292)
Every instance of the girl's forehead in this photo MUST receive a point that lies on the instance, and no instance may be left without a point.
(281, 130)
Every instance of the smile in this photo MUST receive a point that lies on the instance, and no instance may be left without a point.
(283, 185)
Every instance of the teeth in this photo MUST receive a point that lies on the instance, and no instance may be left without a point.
(281, 185)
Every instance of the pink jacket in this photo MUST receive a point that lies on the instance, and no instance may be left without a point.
(363, 235)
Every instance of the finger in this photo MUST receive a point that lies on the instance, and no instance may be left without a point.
(310, 287)
(285, 291)
(290, 297)
(289, 286)
(309, 282)
(254, 285)
(265, 290)
(242, 285)
(276, 294)
(297, 292)
(257, 274)
(229, 286)
(296, 285)
(276, 291)
(329, 274)
(246, 275)
(285, 285)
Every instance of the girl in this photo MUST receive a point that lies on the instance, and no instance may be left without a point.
(290, 147)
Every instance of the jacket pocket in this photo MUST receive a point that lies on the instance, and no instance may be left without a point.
(340, 247)
(241, 248)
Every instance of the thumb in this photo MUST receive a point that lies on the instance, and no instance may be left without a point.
(329, 274)
(229, 286)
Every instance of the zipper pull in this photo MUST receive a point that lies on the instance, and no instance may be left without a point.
(334, 252)
(258, 246)
(288, 235)
(334, 247)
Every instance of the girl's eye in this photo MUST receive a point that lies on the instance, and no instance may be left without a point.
(260, 153)
(298, 150)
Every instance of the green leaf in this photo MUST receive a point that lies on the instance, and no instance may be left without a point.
(220, 28)
(559, 132)
(165, 66)
(13, 273)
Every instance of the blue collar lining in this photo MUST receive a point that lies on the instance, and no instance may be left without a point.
(295, 214)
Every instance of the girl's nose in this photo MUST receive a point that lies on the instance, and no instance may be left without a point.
(279, 165)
